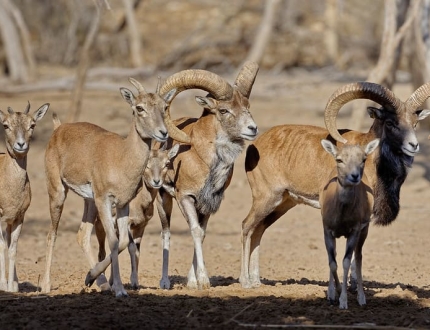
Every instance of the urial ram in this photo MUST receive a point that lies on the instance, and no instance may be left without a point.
(286, 165)
(202, 170)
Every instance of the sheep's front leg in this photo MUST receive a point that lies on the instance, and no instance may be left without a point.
(351, 243)
(13, 232)
(164, 207)
(3, 282)
(358, 260)
(333, 283)
(197, 276)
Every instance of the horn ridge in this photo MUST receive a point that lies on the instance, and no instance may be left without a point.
(418, 97)
(246, 78)
(198, 79)
(354, 91)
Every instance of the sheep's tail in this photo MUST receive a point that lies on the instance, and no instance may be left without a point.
(56, 120)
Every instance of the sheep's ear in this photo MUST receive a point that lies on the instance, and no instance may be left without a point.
(371, 146)
(422, 114)
(375, 113)
(329, 147)
(127, 95)
(39, 113)
(172, 152)
(170, 95)
(206, 102)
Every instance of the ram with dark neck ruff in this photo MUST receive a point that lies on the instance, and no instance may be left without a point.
(203, 168)
(285, 165)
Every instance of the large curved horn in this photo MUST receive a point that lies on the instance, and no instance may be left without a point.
(418, 97)
(138, 85)
(190, 79)
(200, 79)
(360, 90)
(246, 77)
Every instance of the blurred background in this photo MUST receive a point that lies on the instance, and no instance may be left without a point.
(75, 45)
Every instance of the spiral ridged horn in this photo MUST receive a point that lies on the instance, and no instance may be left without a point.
(246, 77)
(190, 79)
(200, 79)
(418, 98)
(359, 90)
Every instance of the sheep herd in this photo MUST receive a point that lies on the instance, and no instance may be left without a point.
(353, 177)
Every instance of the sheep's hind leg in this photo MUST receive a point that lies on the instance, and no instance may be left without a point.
(361, 298)
(84, 239)
(197, 276)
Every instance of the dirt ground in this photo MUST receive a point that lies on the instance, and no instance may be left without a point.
(294, 266)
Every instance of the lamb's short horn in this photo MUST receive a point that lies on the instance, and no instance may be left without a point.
(138, 85)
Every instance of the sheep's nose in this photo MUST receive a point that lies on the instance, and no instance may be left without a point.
(414, 146)
(253, 129)
(355, 177)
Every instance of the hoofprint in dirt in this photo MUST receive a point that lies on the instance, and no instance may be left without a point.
(293, 258)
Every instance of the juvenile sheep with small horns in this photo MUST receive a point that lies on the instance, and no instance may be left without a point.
(106, 170)
(346, 205)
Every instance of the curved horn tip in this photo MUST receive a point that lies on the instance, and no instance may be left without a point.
(27, 108)
(136, 84)
(158, 85)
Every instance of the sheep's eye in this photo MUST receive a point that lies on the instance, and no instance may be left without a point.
(32, 126)
(5, 126)
(223, 111)
(339, 161)
(389, 124)
(139, 108)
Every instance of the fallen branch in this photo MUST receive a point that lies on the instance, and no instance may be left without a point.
(67, 83)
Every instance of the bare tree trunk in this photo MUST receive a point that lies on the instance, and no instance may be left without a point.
(16, 40)
(331, 35)
(419, 58)
(133, 33)
(84, 63)
(391, 40)
(72, 42)
(264, 32)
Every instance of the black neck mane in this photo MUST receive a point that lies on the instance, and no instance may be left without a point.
(392, 169)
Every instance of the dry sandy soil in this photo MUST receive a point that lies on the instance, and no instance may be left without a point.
(294, 266)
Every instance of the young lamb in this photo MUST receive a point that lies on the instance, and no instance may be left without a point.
(141, 209)
(346, 205)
